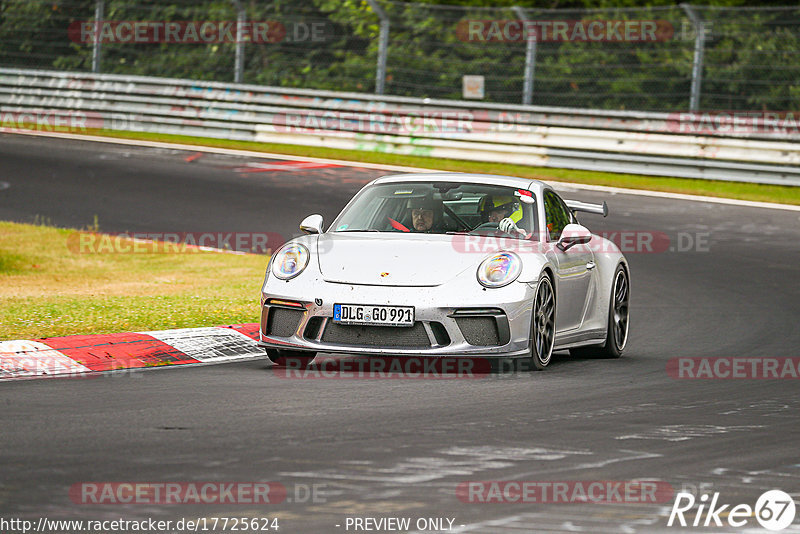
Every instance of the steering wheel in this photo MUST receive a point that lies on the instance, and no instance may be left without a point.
(491, 226)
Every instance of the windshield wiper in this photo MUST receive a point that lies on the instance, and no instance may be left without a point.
(358, 230)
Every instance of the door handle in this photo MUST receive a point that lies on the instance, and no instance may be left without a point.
(591, 265)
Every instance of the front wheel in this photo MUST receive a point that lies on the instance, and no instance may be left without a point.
(293, 359)
(543, 323)
(618, 315)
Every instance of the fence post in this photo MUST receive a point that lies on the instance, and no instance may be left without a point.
(699, 50)
(99, 13)
(530, 56)
(383, 46)
(238, 67)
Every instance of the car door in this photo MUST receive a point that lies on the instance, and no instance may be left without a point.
(573, 266)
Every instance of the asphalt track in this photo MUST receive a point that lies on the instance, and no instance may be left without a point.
(399, 448)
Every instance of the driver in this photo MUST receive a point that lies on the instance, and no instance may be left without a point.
(503, 210)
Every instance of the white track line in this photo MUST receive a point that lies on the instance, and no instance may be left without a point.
(399, 168)
(216, 150)
(678, 196)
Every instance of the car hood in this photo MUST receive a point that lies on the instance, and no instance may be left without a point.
(392, 259)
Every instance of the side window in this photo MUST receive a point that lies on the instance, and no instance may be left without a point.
(557, 215)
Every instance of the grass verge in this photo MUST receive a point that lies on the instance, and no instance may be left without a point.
(714, 188)
(47, 289)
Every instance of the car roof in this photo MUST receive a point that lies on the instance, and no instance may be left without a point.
(462, 177)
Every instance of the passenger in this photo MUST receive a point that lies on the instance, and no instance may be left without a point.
(426, 214)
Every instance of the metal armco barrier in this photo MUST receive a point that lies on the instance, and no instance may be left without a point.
(612, 141)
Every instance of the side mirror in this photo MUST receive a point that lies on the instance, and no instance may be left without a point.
(312, 224)
(574, 234)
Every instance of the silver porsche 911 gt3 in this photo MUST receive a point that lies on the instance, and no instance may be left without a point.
(448, 264)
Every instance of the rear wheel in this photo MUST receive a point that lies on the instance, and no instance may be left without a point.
(293, 359)
(543, 323)
(617, 334)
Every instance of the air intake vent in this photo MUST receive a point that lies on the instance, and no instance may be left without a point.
(283, 322)
(440, 333)
(479, 331)
(312, 328)
(376, 336)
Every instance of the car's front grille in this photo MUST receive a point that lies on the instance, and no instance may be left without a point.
(479, 331)
(376, 336)
(283, 322)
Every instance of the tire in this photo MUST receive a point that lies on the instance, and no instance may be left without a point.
(543, 323)
(293, 359)
(618, 321)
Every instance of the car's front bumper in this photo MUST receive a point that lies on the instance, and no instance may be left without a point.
(450, 321)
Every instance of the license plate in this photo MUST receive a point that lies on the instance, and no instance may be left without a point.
(361, 314)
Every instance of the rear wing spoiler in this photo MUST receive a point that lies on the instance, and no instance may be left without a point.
(577, 205)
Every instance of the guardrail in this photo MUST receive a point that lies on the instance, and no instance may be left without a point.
(613, 141)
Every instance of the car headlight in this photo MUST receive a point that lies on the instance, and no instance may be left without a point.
(499, 269)
(290, 261)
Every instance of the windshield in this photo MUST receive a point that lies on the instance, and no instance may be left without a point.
(441, 208)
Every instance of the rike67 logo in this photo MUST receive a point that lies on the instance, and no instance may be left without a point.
(774, 510)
